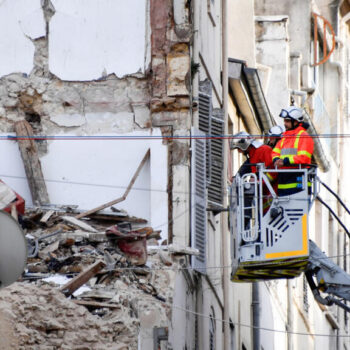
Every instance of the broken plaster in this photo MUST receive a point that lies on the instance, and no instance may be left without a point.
(69, 120)
(90, 39)
(21, 23)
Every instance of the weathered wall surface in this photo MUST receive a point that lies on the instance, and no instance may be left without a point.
(300, 13)
(86, 68)
(241, 26)
(92, 69)
(90, 39)
(272, 50)
(22, 25)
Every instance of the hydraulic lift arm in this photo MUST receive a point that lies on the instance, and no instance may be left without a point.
(331, 279)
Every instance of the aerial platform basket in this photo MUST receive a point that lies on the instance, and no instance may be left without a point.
(269, 234)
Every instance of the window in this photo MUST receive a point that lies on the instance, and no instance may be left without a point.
(211, 122)
(347, 86)
(212, 330)
(345, 266)
(232, 336)
(305, 295)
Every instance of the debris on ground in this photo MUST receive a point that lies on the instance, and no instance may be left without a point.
(90, 283)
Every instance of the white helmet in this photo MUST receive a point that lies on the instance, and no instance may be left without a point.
(293, 112)
(242, 140)
(275, 131)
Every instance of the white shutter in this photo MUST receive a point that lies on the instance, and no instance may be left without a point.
(198, 201)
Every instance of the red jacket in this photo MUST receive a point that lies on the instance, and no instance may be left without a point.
(260, 155)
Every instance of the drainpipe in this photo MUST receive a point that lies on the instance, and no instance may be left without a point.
(195, 60)
(319, 155)
(342, 87)
(256, 316)
(302, 94)
(289, 315)
(224, 229)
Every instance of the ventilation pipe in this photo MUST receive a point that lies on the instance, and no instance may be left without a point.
(319, 154)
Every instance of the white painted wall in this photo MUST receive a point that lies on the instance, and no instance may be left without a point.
(89, 39)
(266, 317)
(19, 23)
(91, 172)
(240, 27)
(272, 50)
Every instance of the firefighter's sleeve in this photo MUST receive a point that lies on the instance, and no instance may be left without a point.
(276, 152)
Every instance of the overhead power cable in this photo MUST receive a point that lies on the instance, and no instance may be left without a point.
(91, 184)
(260, 328)
(152, 137)
(335, 195)
(334, 215)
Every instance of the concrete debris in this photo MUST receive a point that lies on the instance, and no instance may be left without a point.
(116, 291)
(79, 223)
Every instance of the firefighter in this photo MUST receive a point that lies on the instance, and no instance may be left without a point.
(255, 151)
(273, 136)
(295, 147)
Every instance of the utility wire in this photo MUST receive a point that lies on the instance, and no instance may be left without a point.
(334, 215)
(219, 267)
(335, 195)
(155, 137)
(64, 182)
(255, 327)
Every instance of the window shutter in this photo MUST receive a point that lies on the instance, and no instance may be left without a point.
(205, 110)
(198, 205)
(305, 295)
(212, 123)
(215, 188)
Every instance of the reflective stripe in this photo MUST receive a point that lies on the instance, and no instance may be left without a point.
(269, 176)
(267, 204)
(289, 151)
(291, 158)
(286, 186)
(282, 142)
(296, 142)
(277, 150)
(304, 153)
(291, 185)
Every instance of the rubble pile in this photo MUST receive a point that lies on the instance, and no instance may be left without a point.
(89, 284)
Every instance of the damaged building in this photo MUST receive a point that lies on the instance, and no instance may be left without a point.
(98, 102)
(115, 120)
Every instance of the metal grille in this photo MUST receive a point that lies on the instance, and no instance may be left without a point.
(199, 213)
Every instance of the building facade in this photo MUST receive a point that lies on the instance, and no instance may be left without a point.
(103, 82)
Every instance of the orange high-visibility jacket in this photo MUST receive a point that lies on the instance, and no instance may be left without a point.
(295, 147)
